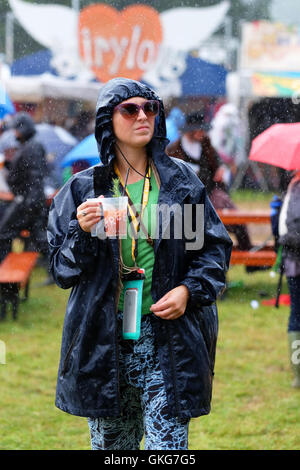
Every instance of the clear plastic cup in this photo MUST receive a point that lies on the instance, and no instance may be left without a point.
(115, 217)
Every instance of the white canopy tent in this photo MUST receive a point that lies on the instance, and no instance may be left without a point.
(34, 89)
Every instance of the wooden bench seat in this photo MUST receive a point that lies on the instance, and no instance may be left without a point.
(265, 255)
(15, 271)
(239, 217)
(257, 258)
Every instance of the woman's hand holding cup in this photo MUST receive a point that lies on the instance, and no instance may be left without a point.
(89, 214)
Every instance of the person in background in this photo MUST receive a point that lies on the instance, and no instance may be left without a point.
(82, 125)
(6, 123)
(289, 239)
(194, 147)
(25, 177)
(3, 183)
(155, 383)
(174, 123)
(227, 138)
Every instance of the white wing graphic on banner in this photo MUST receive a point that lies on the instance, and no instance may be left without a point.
(54, 27)
(185, 28)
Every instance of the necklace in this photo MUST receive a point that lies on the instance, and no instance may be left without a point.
(144, 176)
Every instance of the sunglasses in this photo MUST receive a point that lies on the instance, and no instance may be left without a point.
(131, 110)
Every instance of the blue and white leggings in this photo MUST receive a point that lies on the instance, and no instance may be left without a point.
(143, 402)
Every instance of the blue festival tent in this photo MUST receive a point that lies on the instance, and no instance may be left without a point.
(202, 78)
(6, 105)
(33, 64)
(86, 150)
(174, 122)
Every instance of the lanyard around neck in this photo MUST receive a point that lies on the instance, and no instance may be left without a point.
(134, 217)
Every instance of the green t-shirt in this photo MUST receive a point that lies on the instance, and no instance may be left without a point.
(145, 258)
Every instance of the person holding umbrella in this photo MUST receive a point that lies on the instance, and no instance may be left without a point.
(289, 239)
(156, 382)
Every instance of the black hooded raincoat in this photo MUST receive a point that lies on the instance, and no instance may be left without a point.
(88, 376)
(28, 168)
(26, 174)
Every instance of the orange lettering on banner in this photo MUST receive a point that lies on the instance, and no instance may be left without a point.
(119, 44)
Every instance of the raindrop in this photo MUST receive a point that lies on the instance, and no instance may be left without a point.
(254, 304)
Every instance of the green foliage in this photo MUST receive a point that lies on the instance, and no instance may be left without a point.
(116, 187)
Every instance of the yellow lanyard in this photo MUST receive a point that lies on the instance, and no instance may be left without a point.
(134, 216)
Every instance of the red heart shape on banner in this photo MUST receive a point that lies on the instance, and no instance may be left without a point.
(119, 44)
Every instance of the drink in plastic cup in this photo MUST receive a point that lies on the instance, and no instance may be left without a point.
(115, 217)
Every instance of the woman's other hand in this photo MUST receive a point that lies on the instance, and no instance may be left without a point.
(172, 305)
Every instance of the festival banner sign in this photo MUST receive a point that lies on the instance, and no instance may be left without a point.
(277, 84)
(115, 44)
(270, 47)
(99, 42)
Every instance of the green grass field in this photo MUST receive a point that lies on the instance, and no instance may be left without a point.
(253, 405)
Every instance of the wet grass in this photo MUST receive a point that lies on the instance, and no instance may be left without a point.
(253, 405)
(241, 196)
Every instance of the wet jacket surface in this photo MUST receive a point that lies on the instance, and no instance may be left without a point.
(88, 376)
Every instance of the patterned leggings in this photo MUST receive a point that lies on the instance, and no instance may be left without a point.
(143, 402)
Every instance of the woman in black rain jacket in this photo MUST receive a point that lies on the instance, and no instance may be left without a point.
(179, 332)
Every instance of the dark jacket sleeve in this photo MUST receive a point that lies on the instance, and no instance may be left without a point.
(71, 250)
(206, 274)
(291, 240)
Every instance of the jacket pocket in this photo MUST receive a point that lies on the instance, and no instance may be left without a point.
(69, 351)
(208, 323)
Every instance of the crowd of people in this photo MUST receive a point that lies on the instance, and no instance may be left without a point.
(190, 140)
(26, 180)
(194, 146)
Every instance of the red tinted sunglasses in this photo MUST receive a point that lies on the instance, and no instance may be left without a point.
(131, 110)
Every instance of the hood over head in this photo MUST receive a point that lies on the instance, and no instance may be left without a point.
(24, 123)
(113, 93)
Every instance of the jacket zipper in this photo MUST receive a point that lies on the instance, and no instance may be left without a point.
(177, 406)
(118, 294)
(68, 354)
(118, 363)
(173, 372)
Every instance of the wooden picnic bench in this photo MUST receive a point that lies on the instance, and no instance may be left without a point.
(9, 196)
(16, 268)
(15, 271)
(239, 217)
(257, 256)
